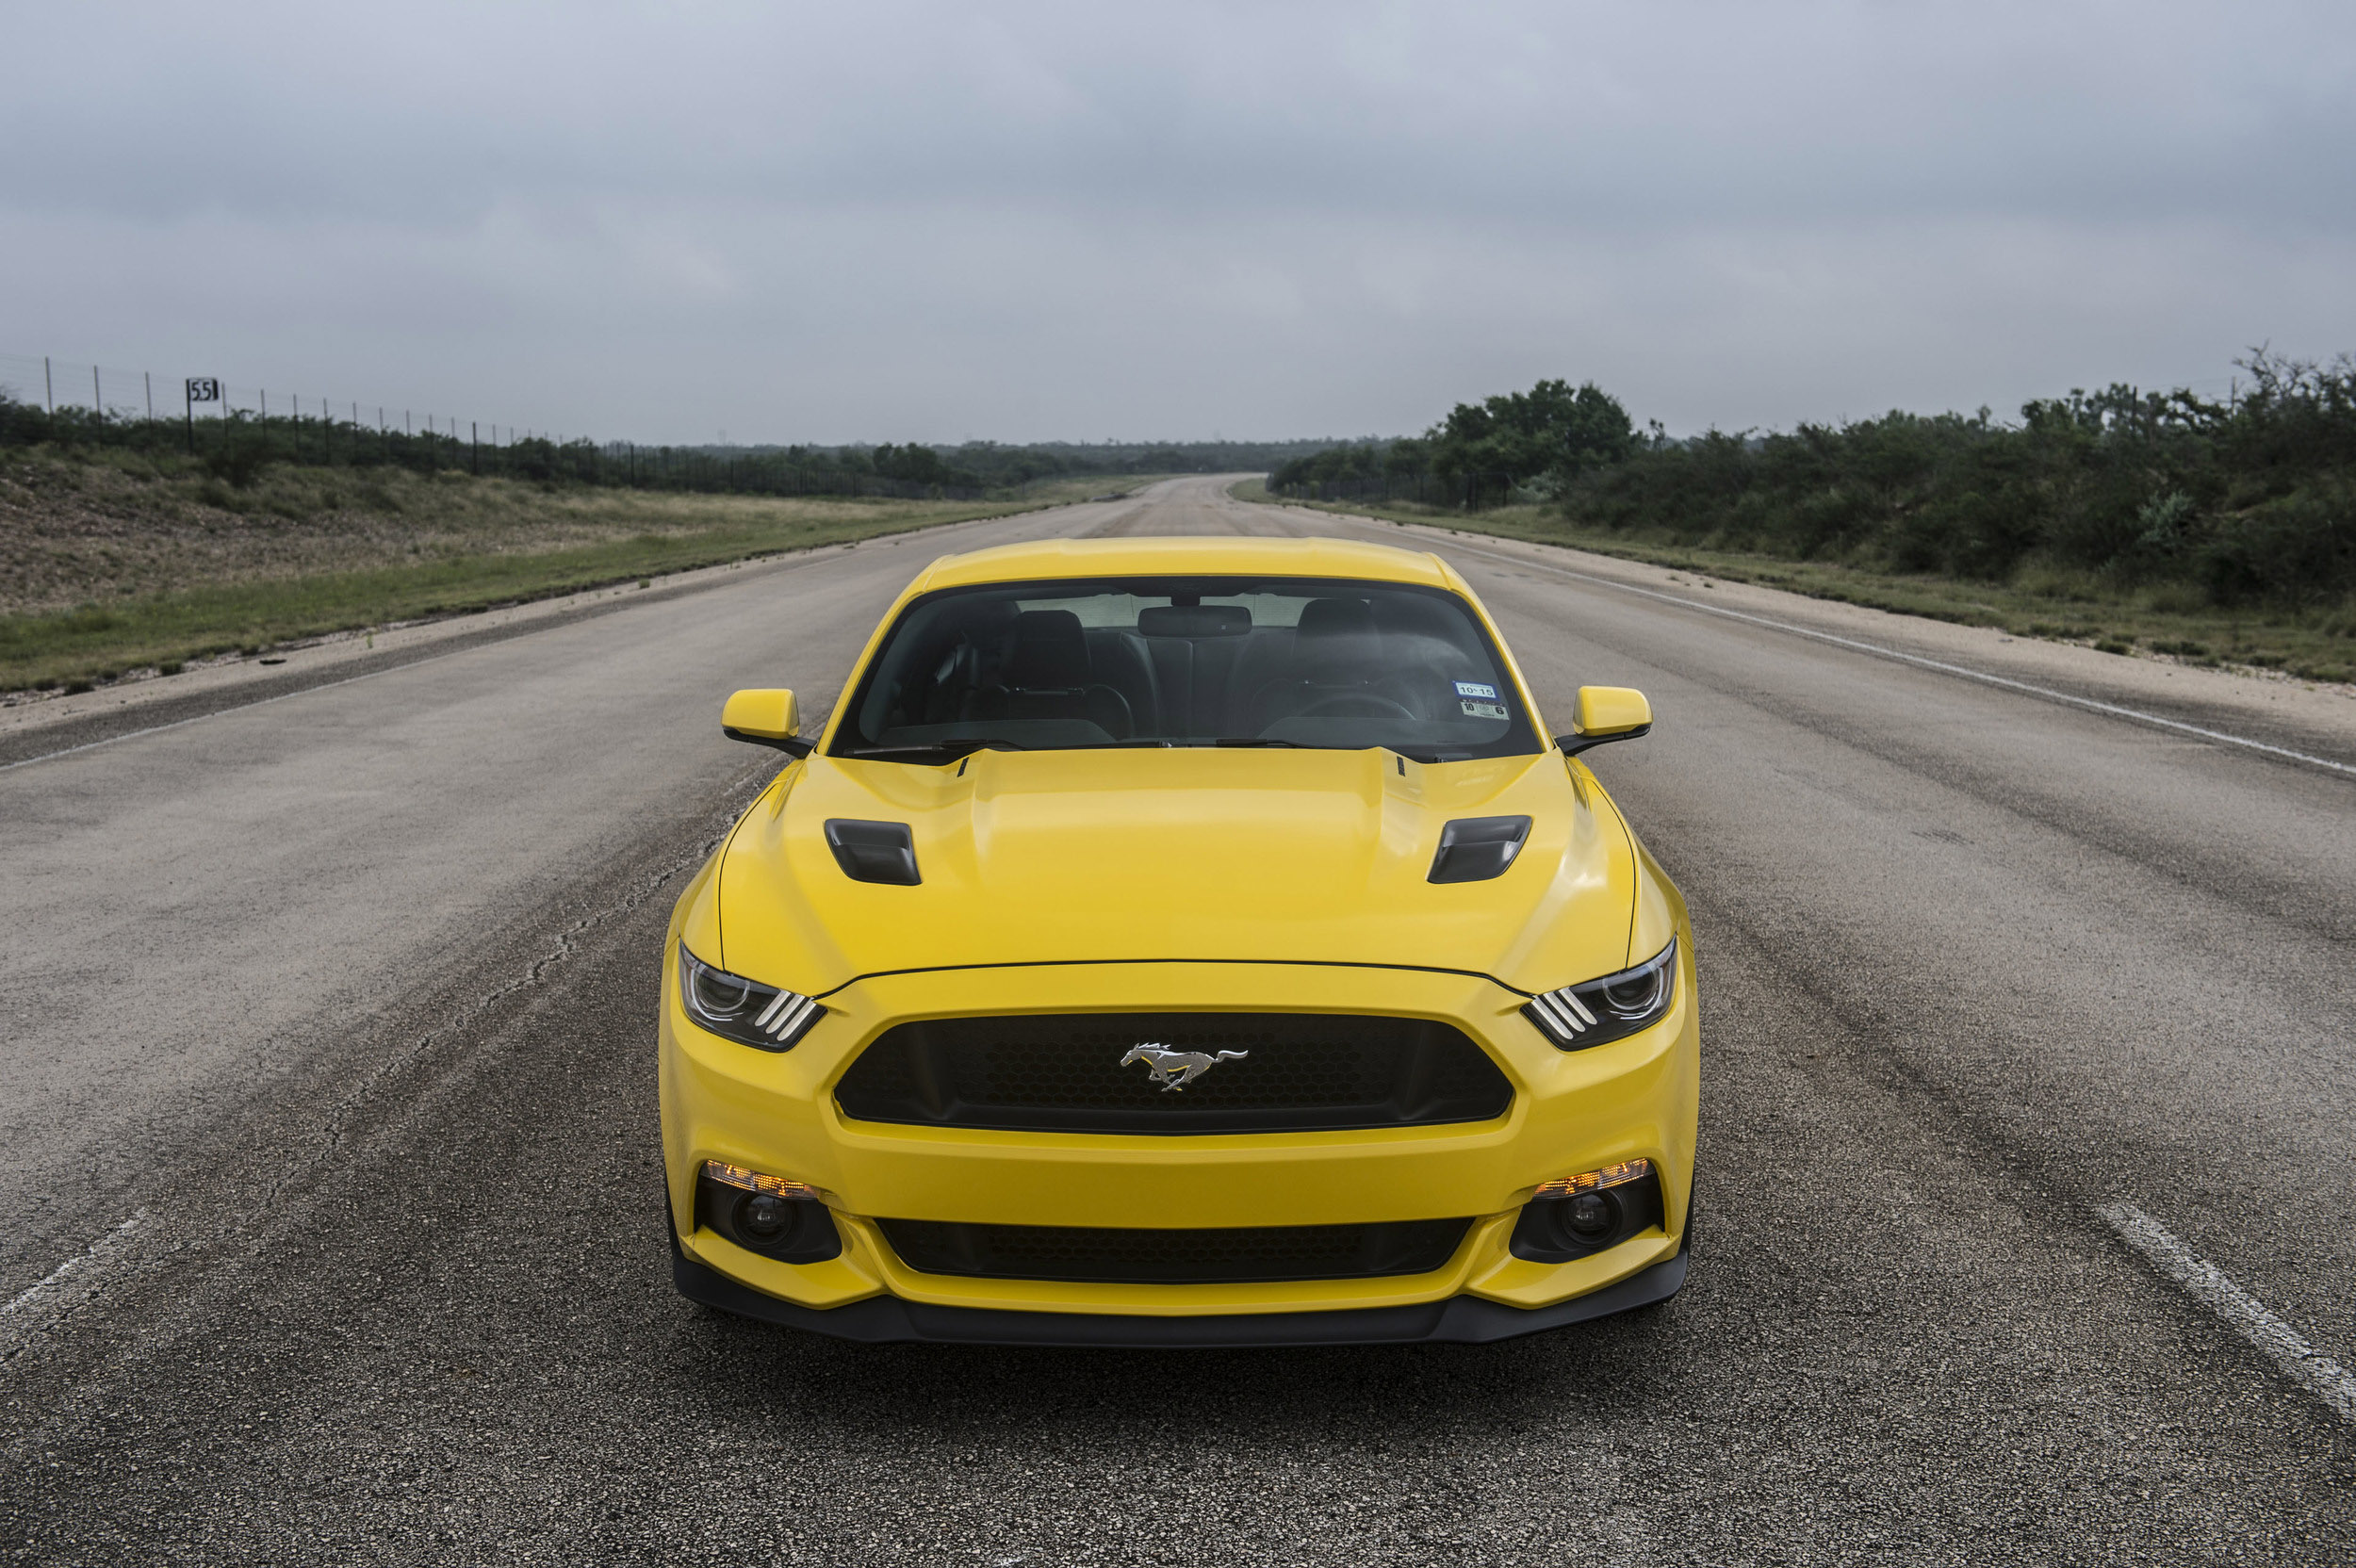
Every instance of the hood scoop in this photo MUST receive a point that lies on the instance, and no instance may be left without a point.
(1474, 849)
(873, 850)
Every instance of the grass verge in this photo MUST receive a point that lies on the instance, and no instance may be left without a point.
(2315, 645)
(164, 569)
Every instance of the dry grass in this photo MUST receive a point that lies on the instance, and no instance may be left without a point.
(2169, 620)
(113, 561)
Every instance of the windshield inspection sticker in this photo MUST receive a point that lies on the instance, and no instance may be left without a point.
(1475, 689)
(1482, 710)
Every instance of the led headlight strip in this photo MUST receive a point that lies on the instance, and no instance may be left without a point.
(1596, 1011)
(744, 1010)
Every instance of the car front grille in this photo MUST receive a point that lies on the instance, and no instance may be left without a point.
(1257, 1255)
(1062, 1073)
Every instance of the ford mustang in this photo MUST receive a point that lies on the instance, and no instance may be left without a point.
(1181, 941)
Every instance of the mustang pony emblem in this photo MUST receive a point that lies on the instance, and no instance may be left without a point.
(1186, 1064)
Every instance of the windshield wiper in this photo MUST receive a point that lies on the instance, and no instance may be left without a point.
(947, 751)
(1410, 753)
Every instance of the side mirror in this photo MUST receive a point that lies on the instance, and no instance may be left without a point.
(766, 717)
(1606, 713)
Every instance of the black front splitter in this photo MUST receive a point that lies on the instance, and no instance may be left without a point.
(890, 1320)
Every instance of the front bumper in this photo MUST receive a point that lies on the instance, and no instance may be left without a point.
(1571, 1112)
(1459, 1320)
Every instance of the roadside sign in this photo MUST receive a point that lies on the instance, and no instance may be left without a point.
(202, 389)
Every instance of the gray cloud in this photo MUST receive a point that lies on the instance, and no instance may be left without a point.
(1038, 222)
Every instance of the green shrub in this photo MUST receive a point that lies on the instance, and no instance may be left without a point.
(237, 462)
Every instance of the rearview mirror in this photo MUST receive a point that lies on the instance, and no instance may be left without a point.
(766, 717)
(1606, 713)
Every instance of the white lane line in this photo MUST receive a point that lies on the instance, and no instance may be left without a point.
(2135, 714)
(82, 1267)
(2312, 1370)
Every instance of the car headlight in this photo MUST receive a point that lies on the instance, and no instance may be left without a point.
(1596, 1011)
(744, 1010)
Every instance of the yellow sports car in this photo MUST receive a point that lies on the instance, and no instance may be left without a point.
(1181, 941)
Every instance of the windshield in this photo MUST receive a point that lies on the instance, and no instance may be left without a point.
(1191, 661)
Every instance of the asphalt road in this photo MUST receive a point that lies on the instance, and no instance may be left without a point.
(330, 1178)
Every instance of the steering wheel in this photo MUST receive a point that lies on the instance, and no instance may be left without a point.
(1356, 705)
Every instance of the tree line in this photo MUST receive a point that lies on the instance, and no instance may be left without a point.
(238, 448)
(2250, 500)
(1525, 444)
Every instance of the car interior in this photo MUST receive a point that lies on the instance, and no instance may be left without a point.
(1347, 664)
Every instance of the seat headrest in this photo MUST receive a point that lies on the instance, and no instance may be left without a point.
(1337, 641)
(1050, 651)
(1336, 617)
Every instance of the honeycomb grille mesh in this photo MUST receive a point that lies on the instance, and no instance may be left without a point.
(1062, 1073)
(1259, 1255)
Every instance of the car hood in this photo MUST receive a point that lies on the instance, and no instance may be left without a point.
(1222, 854)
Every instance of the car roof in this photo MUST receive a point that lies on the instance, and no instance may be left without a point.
(1208, 556)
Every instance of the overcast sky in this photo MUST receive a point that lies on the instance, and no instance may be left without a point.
(941, 221)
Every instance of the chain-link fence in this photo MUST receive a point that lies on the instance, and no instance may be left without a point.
(237, 430)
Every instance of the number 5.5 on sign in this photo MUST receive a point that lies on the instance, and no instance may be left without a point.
(201, 389)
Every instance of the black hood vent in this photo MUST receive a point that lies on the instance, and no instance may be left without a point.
(1474, 849)
(873, 850)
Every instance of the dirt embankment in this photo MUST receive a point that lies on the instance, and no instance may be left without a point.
(92, 531)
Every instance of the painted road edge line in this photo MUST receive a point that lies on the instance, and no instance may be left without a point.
(2326, 1378)
(2115, 709)
(60, 1279)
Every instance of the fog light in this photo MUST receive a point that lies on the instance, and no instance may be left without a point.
(764, 1216)
(772, 1216)
(1588, 1218)
(1576, 1217)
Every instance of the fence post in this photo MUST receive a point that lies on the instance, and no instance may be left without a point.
(97, 398)
(476, 432)
(150, 377)
(48, 388)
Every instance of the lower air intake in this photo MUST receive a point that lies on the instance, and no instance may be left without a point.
(1252, 1255)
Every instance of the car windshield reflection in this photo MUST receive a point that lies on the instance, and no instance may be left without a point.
(1185, 661)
